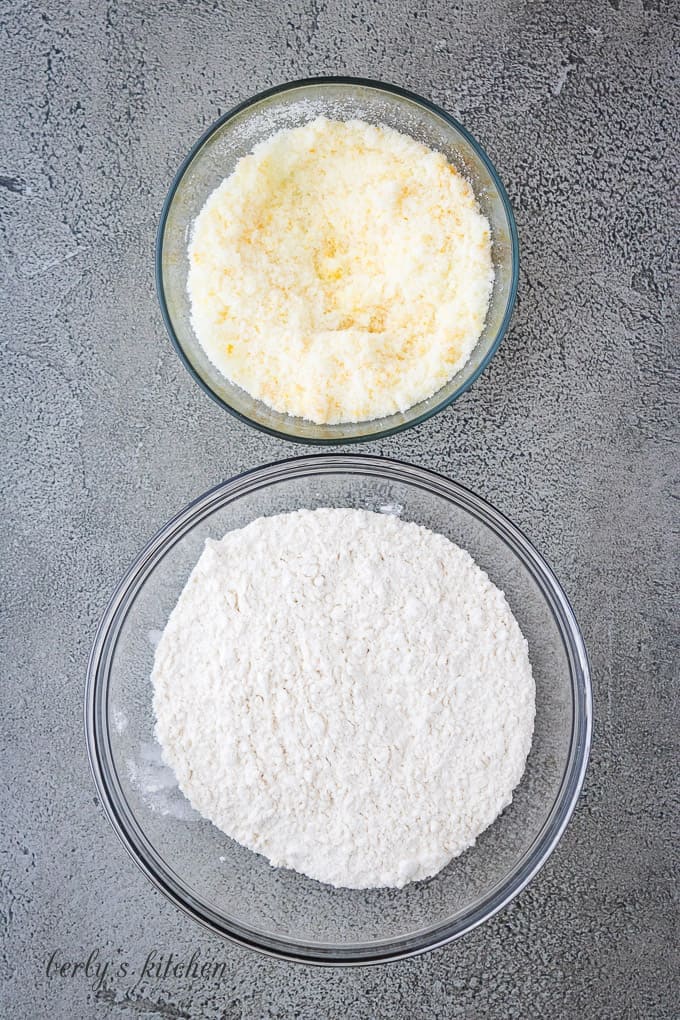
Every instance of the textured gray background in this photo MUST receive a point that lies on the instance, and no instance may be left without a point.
(569, 431)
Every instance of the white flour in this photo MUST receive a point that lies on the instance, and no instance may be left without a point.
(345, 693)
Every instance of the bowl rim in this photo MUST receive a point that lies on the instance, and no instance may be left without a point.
(368, 83)
(124, 821)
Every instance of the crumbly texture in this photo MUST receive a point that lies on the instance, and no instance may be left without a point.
(341, 273)
(345, 693)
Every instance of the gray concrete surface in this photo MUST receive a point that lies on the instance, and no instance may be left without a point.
(570, 432)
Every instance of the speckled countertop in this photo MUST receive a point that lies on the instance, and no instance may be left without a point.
(570, 432)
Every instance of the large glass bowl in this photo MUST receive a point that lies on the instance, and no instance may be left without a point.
(213, 158)
(235, 892)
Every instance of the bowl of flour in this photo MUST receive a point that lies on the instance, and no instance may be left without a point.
(336, 260)
(339, 710)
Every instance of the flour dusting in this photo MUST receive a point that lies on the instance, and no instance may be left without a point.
(154, 637)
(157, 784)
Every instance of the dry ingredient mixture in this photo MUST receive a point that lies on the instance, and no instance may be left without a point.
(345, 693)
(342, 272)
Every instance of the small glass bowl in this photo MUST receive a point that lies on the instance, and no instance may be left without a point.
(214, 157)
(235, 892)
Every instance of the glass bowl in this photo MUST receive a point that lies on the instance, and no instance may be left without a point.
(213, 158)
(235, 892)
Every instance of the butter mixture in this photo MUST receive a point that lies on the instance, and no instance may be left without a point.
(342, 272)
